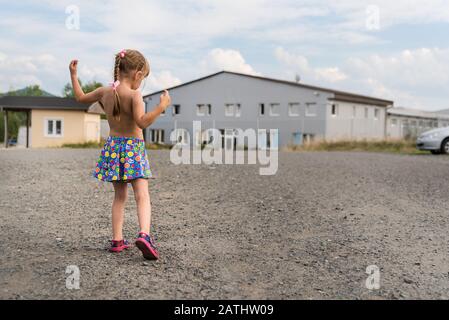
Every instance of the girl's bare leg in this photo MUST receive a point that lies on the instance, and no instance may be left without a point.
(118, 209)
(142, 196)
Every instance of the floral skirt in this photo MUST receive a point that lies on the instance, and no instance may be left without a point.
(122, 159)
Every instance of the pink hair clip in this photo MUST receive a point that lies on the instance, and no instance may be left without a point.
(115, 84)
(122, 53)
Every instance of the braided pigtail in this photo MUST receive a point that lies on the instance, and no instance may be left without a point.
(116, 110)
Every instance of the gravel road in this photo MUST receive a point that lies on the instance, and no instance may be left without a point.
(226, 232)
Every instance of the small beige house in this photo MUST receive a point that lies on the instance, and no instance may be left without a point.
(53, 121)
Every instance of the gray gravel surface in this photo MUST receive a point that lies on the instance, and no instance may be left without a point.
(225, 232)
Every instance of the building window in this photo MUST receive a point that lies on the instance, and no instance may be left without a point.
(274, 109)
(238, 110)
(308, 138)
(311, 109)
(334, 110)
(53, 128)
(394, 122)
(157, 135)
(293, 109)
(203, 109)
(366, 112)
(354, 112)
(176, 109)
(262, 109)
(232, 110)
(376, 114)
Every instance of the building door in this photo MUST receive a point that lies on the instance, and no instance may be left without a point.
(297, 138)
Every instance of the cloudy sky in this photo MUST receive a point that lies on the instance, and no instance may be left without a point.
(390, 49)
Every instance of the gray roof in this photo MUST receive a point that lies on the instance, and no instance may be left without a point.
(408, 112)
(444, 111)
(338, 95)
(54, 103)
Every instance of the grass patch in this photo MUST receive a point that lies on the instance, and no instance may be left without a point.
(84, 145)
(389, 145)
(157, 146)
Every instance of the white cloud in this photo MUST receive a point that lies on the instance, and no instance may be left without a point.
(178, 35)
(424, 67)
(226, 59)
(161, 80)
(299, 64)
(19, 71)
(416, 78)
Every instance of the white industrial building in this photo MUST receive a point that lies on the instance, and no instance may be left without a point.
(228, 101)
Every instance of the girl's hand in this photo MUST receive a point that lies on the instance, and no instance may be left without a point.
(73, 65)
(165, 100)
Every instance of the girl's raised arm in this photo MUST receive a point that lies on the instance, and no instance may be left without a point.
(143, 119)
(80, 96)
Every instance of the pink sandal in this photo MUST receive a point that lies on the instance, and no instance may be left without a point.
(146, 245)
(118, 245)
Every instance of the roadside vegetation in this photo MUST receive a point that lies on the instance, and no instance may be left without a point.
(389, 145)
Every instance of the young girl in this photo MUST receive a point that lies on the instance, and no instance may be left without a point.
(124, 159)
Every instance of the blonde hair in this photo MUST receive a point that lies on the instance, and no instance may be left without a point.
(126, 62)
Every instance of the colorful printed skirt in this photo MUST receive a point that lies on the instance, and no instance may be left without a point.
(122, 159)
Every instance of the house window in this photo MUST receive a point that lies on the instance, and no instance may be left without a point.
(157, 135)
(53, 128)
(334, 110)
(376, 114)
(176, 109)
(232, 110)
(262, 109)
(354, 112)
(293, 109)
(366, 112)
(394, 122)
(311, 109)
(203, 109)
(274, 109)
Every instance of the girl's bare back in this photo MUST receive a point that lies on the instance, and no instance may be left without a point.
(126, 126)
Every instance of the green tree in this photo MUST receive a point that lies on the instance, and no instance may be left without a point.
(67, 91)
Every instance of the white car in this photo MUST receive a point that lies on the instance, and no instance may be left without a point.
(435, 141)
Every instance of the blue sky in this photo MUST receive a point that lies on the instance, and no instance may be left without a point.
(390, 49)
